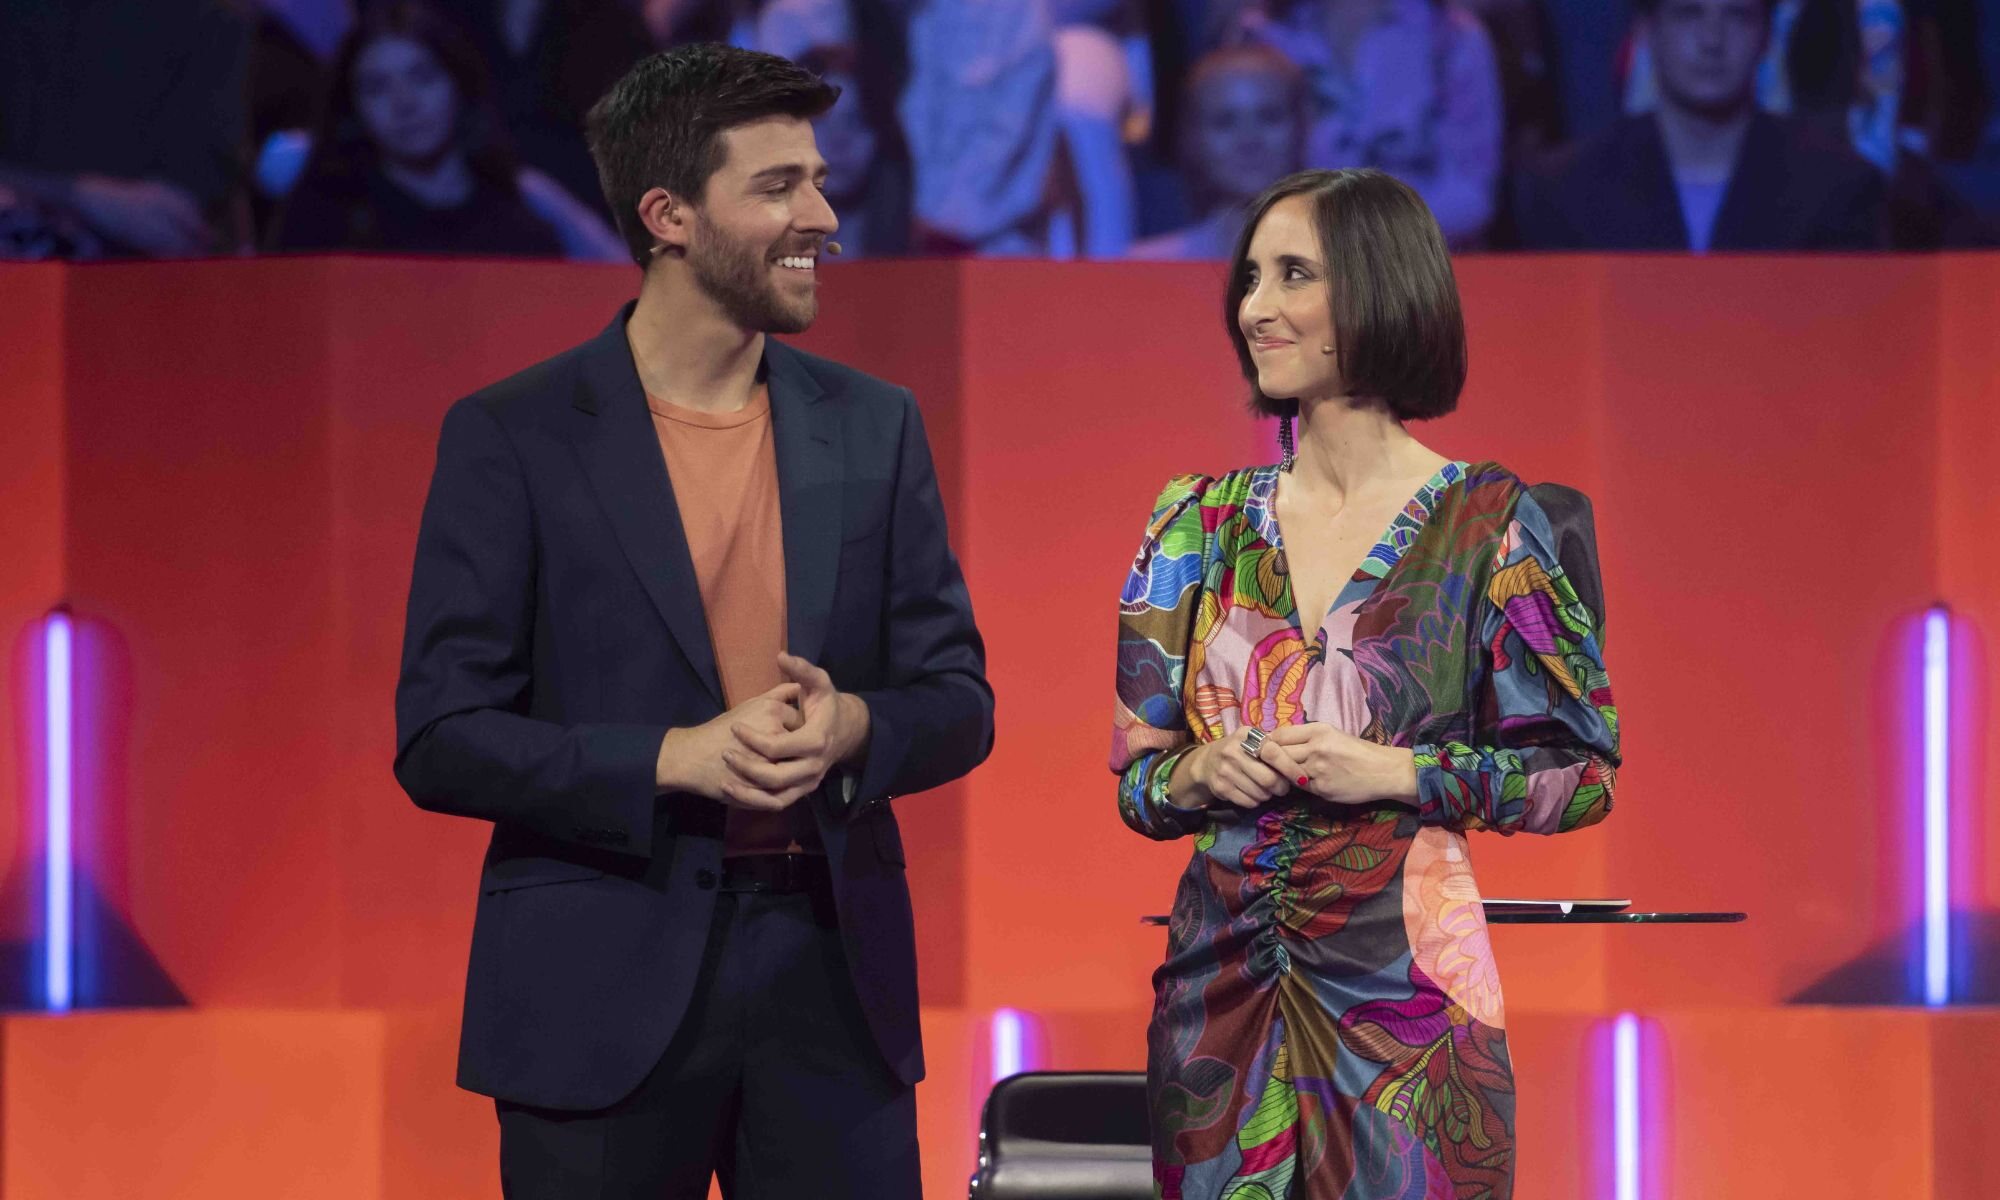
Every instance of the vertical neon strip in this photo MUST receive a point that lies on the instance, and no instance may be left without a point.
(1007, 1039)
(58, 898)
(1625, 1106)
(1937, 806)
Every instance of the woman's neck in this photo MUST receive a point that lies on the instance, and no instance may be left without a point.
(1347, 447)
(446, 183)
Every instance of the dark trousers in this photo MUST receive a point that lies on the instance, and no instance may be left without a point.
(773, 1084)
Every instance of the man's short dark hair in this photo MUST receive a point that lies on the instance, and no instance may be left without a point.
(1398, 328)
(662, 124)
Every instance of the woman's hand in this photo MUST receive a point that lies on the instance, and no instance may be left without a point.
(1221, 772)
(1340, 767)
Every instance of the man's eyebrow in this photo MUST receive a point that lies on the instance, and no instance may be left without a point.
(782, 171)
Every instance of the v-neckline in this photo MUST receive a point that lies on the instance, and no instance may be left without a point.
(1381, 556)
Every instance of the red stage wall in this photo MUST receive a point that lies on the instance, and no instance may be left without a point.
(32, 466)
(220, 465)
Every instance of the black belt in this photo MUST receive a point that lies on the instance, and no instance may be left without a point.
(776, 873)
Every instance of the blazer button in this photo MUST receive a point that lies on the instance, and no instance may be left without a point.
(704, 879)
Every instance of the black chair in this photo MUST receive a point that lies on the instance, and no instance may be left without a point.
(1065, 1135)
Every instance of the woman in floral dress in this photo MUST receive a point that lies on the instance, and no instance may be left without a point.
(1331, 670)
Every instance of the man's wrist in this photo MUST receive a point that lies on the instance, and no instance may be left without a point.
(852, 729)
(665, 777)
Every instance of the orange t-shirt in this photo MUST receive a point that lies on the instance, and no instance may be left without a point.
(724, 470)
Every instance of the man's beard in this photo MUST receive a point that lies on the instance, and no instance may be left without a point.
(737, 276)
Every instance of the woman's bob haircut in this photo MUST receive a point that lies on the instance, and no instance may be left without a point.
(1399, 332)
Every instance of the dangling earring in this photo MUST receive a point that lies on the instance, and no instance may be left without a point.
(1285, 445)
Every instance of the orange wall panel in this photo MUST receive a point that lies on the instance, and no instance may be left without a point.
(400, 350)
(947, 1125)
(1968, 520)
(198, 524)
(222, 1105)
(438, 1143)
(1964, 1061)
(1080, 404)
(1560, 1092)
(903, 321)
(225, 462)
(1767, 467)
(1836, 1104)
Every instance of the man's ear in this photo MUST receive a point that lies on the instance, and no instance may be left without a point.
(667, 220)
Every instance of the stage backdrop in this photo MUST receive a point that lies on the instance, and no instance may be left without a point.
(218, 467)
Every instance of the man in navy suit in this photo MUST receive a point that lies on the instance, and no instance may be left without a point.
(1708, 170)
(684, 619)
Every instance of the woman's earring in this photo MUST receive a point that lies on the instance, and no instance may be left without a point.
(1285, 445)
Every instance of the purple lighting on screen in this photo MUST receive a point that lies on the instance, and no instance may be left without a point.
(1625, 1074)
(1011, 1032)
(57, 896)
(1937, 806)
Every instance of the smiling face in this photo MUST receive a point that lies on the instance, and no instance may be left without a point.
(1286, 313)
(406, 100)
(756, 234)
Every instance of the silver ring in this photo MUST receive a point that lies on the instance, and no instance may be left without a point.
(1253, 741)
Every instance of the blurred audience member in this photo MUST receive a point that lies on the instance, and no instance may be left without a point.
(787, 28)
(1906, 73)
(287, 85)
(1243, 128)
(1854, 47)
(1976, 25)
(1586, 39)
(1896, 79)
(1409, 86)
(685, 22)
(121, 128)
(1104, 98)
(979, 115)
(1708, 169)
(867, 174)
(411, 157)
(1531, 98)
(550, 60)
(1845, 74)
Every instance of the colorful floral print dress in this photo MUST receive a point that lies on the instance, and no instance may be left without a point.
(1328, 1021)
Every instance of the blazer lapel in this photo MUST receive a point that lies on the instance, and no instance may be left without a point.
(810, 471)
(1748, 217)
(1655, 197)
(621, 457)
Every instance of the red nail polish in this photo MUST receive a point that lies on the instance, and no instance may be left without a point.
(1305, 781)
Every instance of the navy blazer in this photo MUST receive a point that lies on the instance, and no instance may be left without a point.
(1790, 190)
(555, 634)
